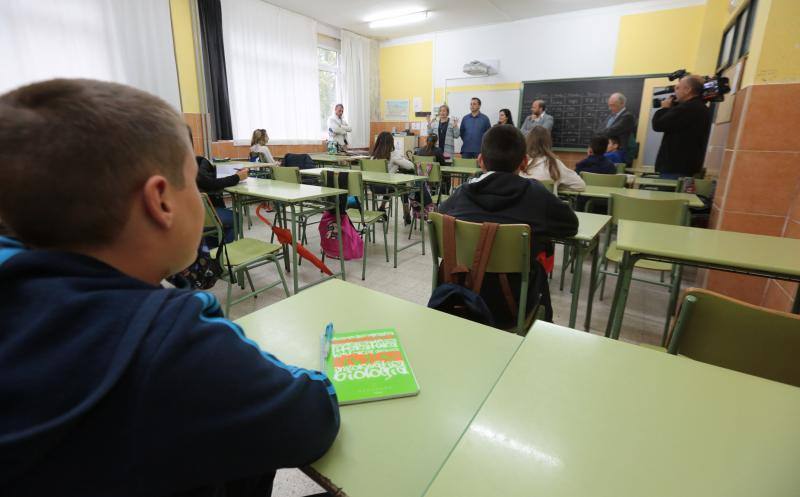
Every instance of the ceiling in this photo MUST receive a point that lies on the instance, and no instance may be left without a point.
(445, 14)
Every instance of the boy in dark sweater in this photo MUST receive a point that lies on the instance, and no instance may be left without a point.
(109, 383)
(499, 195)
(614, 152)
(597, 162)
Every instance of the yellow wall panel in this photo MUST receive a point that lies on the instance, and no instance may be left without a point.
(406, 71)
(659, 42)
(184, 55)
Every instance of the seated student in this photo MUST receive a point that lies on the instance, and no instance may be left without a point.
(613, 152)
(208, 182)
(384, 149)
(396, 163)
(431, 150)
(499, 195)
(544, 165)
(258, 144)
(597, 162)
(111, 384)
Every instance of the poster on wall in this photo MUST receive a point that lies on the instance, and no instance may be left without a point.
(396, 110)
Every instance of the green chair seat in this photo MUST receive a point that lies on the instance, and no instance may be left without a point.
(369, 216)
(615, 255)
(245, 251)
(439, 198)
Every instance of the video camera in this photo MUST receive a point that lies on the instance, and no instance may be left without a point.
(714, 88)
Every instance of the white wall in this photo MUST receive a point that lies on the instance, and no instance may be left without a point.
(551, 47)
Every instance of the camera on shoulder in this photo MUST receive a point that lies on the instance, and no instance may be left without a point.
(714, 88)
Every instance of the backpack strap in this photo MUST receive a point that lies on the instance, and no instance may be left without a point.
(508, 295)
(450, 261)
(483, 251)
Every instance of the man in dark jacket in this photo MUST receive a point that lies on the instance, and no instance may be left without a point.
(111, 385)
(620, 123)
(685, 122)
(501, 196)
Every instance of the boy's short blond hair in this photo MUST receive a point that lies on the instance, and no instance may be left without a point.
(73, 154)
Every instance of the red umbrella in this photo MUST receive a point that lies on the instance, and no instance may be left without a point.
(285, 238)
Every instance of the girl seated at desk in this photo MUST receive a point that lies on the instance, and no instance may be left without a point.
(543, 165)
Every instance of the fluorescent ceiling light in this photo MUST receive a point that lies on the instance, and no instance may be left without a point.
(395, 12)
(400, 20)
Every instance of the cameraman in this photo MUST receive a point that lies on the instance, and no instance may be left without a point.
(685, 121)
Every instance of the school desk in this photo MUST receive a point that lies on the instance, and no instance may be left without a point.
(641, 170)
(585, 242)
(576, 414)
(337, 160)
(667, 184)
(757, 255)
(592, 191)
(398, 185)
(463, 172)
(390, 448)
(285, 194)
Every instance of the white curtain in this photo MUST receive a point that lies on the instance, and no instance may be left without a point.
(273, 80)
(356, 71)
(125, 41)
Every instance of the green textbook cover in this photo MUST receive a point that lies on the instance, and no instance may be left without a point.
(369, 365)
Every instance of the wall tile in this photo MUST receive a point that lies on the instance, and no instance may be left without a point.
(757, 224)
(714, 220)
(724, 172)
(736, 116)
(794, 212)
(792, 229)
(739, 286)
(195, 122)
(719, 135)
(775, 298)
(763, 183)
(713, 161)
(772, 118)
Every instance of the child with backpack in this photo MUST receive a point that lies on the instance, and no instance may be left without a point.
(499, 195)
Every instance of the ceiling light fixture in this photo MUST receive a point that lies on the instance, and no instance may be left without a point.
(400, 20)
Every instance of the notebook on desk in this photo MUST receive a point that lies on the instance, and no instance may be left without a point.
(365, 366)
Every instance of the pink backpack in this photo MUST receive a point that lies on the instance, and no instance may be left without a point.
(352, 244)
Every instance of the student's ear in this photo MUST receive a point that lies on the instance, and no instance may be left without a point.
(158, 204)
(480, 162)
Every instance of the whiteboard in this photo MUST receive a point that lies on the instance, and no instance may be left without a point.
(491, 103)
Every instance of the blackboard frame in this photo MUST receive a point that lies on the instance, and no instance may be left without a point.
(571, 80)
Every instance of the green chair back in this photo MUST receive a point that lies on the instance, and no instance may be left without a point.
(419, 159)
(286, 174)
(355, 183)
(374, 165)
(211, 223)
(613, 180)
(511, 253)
(461, 162)
(704, 187)
(719, 330)
(429, 168)
(647, 210)
(549, 184)
(620, 167)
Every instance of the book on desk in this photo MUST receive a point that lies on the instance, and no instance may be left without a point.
(366, 366)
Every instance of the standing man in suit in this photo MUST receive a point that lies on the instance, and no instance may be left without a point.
(621, 123)
(685, 121)
(538, 117)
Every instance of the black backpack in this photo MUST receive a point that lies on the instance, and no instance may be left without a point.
(303, 161)
(460, 288)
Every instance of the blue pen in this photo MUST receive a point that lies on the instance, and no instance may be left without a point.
(325, 346)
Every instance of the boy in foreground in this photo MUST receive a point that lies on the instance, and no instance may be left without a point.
(109, 384)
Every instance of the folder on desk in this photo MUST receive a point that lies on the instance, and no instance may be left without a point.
(369, 365)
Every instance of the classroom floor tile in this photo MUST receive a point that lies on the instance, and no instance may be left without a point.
(411, 280)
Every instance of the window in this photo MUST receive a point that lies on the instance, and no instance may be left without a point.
(328, 84)
(736, 40)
